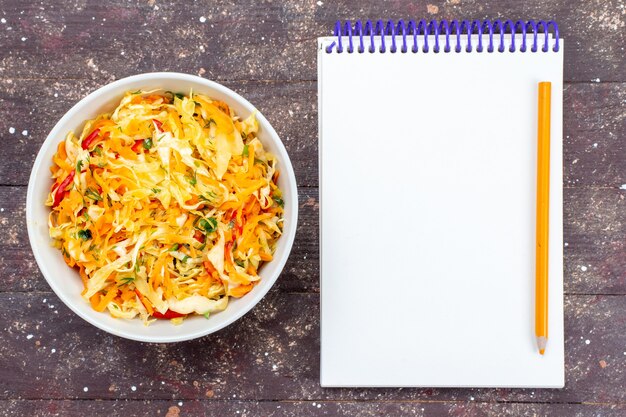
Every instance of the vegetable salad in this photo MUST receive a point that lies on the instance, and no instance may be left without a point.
(167, 207)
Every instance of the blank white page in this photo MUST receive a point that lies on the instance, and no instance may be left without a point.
(427, 195)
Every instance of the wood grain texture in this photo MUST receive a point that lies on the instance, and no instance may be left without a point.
(594, 230)
(56, 52)
(261, 40)
(176, 408)
(272, 353)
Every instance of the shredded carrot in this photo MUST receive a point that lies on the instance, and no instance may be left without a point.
(104, 301)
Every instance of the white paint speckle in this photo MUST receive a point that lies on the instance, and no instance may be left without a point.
(45, 299)
(266, 353)
(319, 3)
(583, 268)
(319, 406)
(180, 403)
(471, 398)
(53, 350)
(274, 367)
(595, 80)
(23, 39)
(56, 94)
(85, 389)
(2, 210)
(162, 382)
(3, 20)
(133, 388)
(30, 336)
(290, 112)
(622, 187)
(587, 341)
(595, 145)
(314, 404)
(12, 131)
(24, 132)
(202, 19)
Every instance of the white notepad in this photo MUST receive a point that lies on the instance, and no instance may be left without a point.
(427, 193)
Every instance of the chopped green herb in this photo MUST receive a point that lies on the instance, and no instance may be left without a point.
(126, 281)
(79, 165)
(98, 150)
(212, 225)
(245, 152)
(193, 180)
(279, 201)
(156, 190)
(210, 196)
(174, 247)
(207, 314)
(240, 263)
(147, 144)
(180, 95)
(93, 194)
(231, 224)
(208, 225)
(185, 258)
(84, 234)
(137, 92)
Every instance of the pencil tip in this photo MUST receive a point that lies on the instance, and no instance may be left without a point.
(542, 341)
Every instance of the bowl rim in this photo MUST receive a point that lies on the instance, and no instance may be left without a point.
(287, 169)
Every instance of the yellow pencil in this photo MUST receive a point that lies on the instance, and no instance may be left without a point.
(543, 206)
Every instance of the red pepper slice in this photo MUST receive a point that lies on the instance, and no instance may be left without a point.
(158, 125)
(169, 314)
(238, 227)
(199, 236)
(137, 146)
(60, 192)
(228, 251)
(89, 139)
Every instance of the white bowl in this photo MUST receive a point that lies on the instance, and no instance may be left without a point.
(66, 282)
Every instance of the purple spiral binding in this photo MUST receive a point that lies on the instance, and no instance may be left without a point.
(449, 29)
